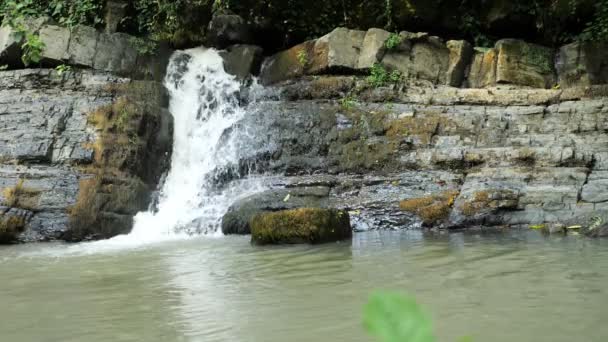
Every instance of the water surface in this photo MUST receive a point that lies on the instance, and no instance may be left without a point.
(493, 287)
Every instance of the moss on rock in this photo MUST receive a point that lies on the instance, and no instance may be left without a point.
(306, 225)
(431, 209)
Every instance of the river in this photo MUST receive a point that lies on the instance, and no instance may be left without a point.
(510, 286)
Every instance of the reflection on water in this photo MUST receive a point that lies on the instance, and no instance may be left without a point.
(495, 287)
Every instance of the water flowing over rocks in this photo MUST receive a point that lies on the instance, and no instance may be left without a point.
(514, 135)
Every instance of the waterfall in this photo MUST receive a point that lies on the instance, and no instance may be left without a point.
(205, 104)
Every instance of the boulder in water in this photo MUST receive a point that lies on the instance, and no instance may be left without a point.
(238, 217)
(306, 225)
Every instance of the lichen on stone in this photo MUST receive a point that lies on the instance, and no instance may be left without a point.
(431, 209)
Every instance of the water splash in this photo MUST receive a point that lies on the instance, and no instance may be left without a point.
(205, 104)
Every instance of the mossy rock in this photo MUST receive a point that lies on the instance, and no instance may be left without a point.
(433, 209)
(306, 225)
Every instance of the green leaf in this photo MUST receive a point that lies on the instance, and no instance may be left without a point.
(395, 318)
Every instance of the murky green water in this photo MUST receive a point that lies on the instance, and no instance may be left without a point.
(494, 287)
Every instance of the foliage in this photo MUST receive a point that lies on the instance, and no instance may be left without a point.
(380, 77)
(61, 69)
(348, 102)
(144, 46)
(597, 29)
(302, 58)
(395, 318)
(32, 49)
(392, 41)
(66, 12)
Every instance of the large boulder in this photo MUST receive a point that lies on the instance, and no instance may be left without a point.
(228, 29)
(236, 220)
(461, 53)
(524, 64)
(482, 71)
(337, 51)
(515, 62)
(419, 56)
(582, 64)
(306, 225)
(242, 60)
(372, 48)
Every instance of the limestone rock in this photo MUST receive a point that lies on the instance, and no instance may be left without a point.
(595, 191)
(582, 64)
(304, 225)
(83, 46)
(288, 64)
(524, 64)
(228, 29)
(337, 50)
(482, 72)
(461, 53)
(242, 60)
(56, 41)
(236, 220)
(115, 54)
(373, 48)
(419, 57)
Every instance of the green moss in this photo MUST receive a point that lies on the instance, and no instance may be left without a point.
(306, 225)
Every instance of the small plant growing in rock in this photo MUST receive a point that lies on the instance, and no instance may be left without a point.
(348, 102)
(380, 77)
(32, 49)
(393, 41)
(302, 58)
(62, 69)
(19, 196)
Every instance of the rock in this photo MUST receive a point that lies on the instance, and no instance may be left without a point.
(116, 10)
(482, 72)
(56, 40)
(596, 226)
(582, 64)
(524, 64)
(115, 54)
(236, 220)
(372, 48)
(595, 191)
(431, 209)
(288, 64)
(11, 41)
(77, 177)
(461, 53)
(419, 57)
(227, 29)
(338, 50)
(12, 223)
(304, 225)
(83, 46)
(242, 60)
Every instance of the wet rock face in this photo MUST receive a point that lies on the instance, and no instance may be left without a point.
(79, 152)
(305, 225)
(436, 156)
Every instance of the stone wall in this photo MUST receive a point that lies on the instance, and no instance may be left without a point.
(79, 153)
(419, 56)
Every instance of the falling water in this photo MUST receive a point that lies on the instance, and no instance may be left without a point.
(205, 104)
